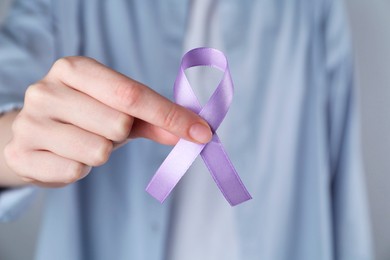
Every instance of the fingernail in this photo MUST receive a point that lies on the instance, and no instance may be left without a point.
(200, 133)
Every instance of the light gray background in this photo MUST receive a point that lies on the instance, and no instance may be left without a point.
(370, 24)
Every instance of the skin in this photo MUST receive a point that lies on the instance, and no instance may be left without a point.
(77, 115)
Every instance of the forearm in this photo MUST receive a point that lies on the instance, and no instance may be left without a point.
(7, 177)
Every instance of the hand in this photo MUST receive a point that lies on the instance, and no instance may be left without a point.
(74, 117)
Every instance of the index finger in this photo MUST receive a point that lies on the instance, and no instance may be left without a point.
(129, 96)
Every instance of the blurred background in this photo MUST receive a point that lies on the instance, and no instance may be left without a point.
(370, 26)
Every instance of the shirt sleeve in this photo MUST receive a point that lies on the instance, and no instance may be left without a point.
(26, 48)
(26, 54)
(351, 223)
(13, 202)
(10, 107)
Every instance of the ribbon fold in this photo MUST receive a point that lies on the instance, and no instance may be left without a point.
(213, 154)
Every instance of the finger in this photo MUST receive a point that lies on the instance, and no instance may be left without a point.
(155, 133)
(68, 105)
(130, 97)
(45, 167)
(71, 142)
(51, 184)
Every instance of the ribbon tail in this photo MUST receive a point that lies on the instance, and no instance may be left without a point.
(173, 168)
(224, 173)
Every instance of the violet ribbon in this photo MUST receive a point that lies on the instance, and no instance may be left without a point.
(213, 153)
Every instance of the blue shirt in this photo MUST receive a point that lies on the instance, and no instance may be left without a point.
(292, 131)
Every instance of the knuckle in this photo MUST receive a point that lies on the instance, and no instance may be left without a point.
(74, 172)
(102, 153)
(65, 63)
(129, 95)
(69, 64)
(171, 118)
(36, 93)
(121, 128)
(11, 154)
(23, 129)
(18, 125)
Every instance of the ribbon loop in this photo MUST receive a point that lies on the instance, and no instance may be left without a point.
(213, 153)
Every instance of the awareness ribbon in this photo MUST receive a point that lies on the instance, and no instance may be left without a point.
(213, 154)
